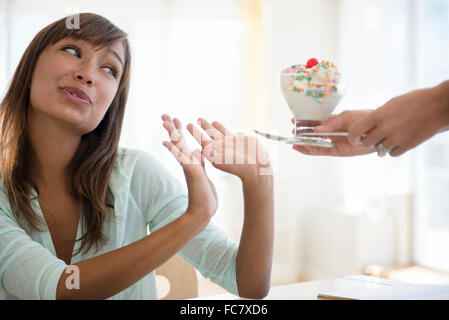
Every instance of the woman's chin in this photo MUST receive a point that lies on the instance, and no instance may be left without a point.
(76, 123)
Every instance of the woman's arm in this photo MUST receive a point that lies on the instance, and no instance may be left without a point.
(243, 156)
(108, 274)
(30, 271)
(255, 254)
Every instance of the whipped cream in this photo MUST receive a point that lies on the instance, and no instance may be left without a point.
(312, 91)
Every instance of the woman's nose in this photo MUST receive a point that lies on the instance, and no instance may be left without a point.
(86, 76)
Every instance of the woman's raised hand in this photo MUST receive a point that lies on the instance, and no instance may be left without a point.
(203, 200)
(238, 154)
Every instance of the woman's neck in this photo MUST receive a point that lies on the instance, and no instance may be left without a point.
(54, 148)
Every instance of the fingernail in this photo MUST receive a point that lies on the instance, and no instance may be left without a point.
(319, 128)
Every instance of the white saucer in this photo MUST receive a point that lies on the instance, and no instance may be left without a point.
(302, 140)
(310, 141)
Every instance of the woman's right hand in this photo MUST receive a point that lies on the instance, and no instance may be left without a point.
(342, 147)
(203, 199)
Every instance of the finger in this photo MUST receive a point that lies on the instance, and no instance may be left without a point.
(319, 151)
(178, 127)
(165, 117)
(300, 149)
(224, 131)
(202, 140)
(394, 147)
(177, 124)
(397, 151)
(338, 122)
(309, 150)
(174, 134)
(389, 144)
(213, 133)
(207, 145)
(176, 137)
(181, 157)
(361, 128)
(373, 138)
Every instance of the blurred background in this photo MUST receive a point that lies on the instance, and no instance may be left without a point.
(221, 60)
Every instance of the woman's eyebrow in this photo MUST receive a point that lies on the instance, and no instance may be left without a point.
(116, 55)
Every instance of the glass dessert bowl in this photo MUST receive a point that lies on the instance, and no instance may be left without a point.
(312, 92)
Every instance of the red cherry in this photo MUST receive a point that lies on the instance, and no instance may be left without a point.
(311, 62)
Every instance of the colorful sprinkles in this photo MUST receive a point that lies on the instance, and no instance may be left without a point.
(325, 72)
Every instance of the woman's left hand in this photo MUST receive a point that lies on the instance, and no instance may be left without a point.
(238, 154)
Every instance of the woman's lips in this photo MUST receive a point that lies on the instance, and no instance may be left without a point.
(77, 100)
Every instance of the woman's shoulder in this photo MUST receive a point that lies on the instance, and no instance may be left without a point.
(135, 162)
(128, 152)
(139, 170)
(138, 165)
(130, 158)
(4, 201)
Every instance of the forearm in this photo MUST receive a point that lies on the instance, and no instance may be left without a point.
(442, 92)
(108, 274)
(255, 254)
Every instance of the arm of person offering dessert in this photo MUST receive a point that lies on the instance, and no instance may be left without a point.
(399, 125)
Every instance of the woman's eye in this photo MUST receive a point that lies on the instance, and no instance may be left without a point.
(112, 71)
(71, 49)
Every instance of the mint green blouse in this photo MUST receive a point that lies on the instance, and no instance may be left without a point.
(145, 195)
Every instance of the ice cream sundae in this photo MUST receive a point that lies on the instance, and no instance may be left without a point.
(312, 92)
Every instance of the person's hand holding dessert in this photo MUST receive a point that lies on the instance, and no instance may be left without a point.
(399, 125)
(342, 147)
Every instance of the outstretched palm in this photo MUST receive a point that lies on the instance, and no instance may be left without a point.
(202, 192)
(238, 154)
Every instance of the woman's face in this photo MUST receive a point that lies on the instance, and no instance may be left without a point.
(71, 65)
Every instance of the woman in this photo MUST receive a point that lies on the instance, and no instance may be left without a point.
(67, 187)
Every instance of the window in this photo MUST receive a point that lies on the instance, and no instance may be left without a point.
(431, 210)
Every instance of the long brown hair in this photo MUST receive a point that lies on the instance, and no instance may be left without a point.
(95, 158)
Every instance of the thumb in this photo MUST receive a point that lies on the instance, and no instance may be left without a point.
(338, 122)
